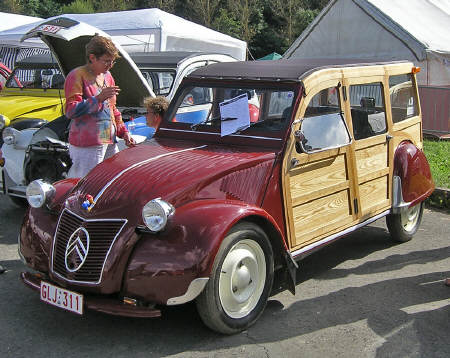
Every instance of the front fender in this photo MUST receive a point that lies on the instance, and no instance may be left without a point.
(411, 173)
(163, 265)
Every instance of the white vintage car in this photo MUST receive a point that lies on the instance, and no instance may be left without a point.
(30, 154)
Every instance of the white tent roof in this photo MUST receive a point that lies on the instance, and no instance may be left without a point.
(8, 21)
(147, 30)
(416, 30)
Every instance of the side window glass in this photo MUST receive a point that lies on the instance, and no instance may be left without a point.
(403, 99)
(368, 110)
(323, 126)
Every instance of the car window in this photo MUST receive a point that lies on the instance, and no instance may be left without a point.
(323, 125)
(403, 97)
(367, 110)
(160, 81)
(255, 109)
(37, 78)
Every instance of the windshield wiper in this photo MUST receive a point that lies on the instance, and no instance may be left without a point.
(210, 119)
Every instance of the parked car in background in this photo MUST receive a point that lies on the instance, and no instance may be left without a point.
(33, 94)
(4, 74)
(220, 211)
(43, 153)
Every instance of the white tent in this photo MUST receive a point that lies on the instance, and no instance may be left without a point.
(8, 21)
(145, 30)
(416, 30)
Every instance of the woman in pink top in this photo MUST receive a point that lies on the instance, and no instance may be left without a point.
(91, 105)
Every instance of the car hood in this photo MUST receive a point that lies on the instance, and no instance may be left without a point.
(176, 171)
(20, 104)
(67, 39)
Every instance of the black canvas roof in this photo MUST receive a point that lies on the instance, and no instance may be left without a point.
(274, 70)
(41, 61)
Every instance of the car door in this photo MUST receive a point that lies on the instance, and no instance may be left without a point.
(318, 182)
(367, 109)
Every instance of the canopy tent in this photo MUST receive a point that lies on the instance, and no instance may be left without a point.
(271, 56)
(8, 21)
(415, 30)
(8, 55)
(144, 31)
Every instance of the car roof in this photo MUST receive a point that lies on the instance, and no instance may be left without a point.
(41, 60)
(169, 59)
(276, 70)
(164, 58)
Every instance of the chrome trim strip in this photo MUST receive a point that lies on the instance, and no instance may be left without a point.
(136, 165)
(19, 250)
(218, 134)
(195, 288)
(30, 283)
(106, 256)
(335, 236)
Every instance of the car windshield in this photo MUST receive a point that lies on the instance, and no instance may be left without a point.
(232, 110)
(36, 78)
(160, 81)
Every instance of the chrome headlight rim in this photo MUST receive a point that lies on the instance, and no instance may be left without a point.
(3, 120)
(9, 135)
(39, 193)
(156, 213)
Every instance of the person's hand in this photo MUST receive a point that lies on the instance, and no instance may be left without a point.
(129, 140)
(107, 93)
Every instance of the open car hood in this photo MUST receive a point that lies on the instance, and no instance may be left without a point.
(67, 39)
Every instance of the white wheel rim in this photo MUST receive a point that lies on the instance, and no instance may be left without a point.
(242, 278)
(410, 217)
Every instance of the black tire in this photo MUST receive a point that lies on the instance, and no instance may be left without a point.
(248, 271)
(404, 225)
(22, 202)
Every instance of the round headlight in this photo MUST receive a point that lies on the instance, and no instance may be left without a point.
(39, 193)
(4, 121)
(9, 135)
(155, 214)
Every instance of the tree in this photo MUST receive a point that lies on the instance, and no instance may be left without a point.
(204, 9)
(78, 7)
(164, 5)
(12, 6)
(249, 16)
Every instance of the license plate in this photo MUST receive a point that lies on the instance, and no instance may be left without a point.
(49, 28)
(61, 297)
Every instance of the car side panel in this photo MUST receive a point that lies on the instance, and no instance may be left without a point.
(163, 265)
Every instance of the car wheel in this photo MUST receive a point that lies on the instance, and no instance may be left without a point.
(22, 202)
(240, 281)
(404, 225)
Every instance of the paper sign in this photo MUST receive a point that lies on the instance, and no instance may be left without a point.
(234, 115)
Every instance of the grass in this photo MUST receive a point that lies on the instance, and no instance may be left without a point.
(438, 155)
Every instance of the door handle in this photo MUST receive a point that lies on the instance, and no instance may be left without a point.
(388, 137)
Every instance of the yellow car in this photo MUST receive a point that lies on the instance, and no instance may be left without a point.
(33, 94)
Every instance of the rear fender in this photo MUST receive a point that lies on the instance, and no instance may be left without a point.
(412, 181)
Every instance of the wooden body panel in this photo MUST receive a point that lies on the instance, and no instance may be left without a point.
(372, 165)
(320, 196)
(333, 190)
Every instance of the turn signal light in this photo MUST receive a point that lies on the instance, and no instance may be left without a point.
(2, 162)
(415, 69)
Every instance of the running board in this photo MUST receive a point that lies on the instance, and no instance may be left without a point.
(309, 249)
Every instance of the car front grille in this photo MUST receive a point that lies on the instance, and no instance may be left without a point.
(101, 235)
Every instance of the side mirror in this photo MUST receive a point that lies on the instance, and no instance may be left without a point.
(300, 141)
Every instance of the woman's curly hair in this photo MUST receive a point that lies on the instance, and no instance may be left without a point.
(99, 46)
(158, 105)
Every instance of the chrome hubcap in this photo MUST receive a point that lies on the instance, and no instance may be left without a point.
(410, 217)
(242, 278)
